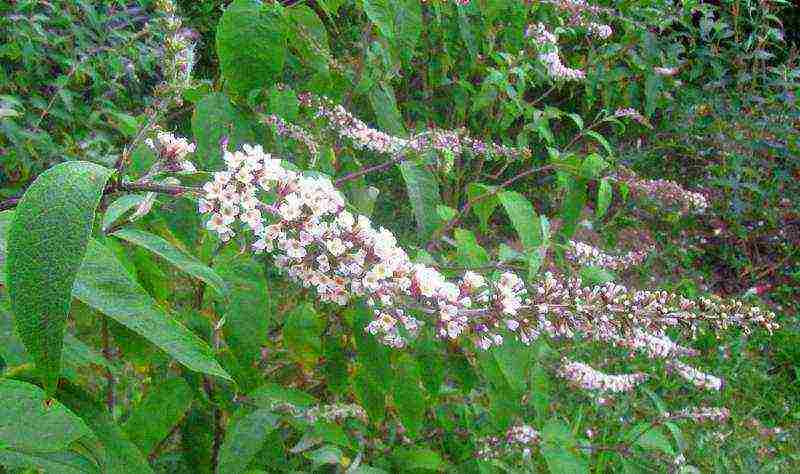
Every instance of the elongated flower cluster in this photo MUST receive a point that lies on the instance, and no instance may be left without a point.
(668, 194)
(295, 132)
(588, 255)
(351, 128)
(700, 414)
(549, 56)
(696, 377)
(329, 413)
(519, 438)
(173, 151)
(179, 55)
(302, 221)
(588, 378)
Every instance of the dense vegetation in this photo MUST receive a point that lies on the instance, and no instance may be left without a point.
(365, 236)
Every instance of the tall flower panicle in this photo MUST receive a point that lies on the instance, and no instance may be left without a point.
(303, 223)
(588, 378)
(588, 255)
(295, 132)
(668, 194)
(351, 128)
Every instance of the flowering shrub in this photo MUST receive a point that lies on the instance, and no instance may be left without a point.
(364, 254)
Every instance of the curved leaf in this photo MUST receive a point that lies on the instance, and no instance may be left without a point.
(119, 207)
(105, 285)
(28, 424)
(163, 407)
(244, 440)
(523, 218)
(46, 244)
(423, 193)
(116, 452)
(180, 259)
(251, 44)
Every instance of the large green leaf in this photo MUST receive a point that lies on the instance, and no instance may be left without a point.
(251, 45)
(180, 259)
(244, 440)
(156, 415)
(408, 27)
(117, 454)
(213, 118)
(384, 103)
(523, 218)
(29, 422)
(46, 244)
(104, 284)
(119, 207)
(423, 193)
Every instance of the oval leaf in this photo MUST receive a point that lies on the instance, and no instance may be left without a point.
(46, 244)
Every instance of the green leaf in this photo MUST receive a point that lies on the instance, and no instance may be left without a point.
(251, 46)
(5, 222)
(408, 27)
(652, 89)
(31, 422)
(270, 393)
(213, 119)
(602, 140)
(381, 13)
(104, 284)
(244, 440)
(119, 207)
(592, 165)
(423, 193)
(523, 218)
(162, 408)
(486, 206)
(180, 259)
(301, 334)
(325, 455)
(572, 206)
(409, 396)
(248, 313)
(52, 463)
(648, 436)
(596, 275)
(559, 449)
(384, 104)
(46, 244)
(418, 458)
(371, 394)
(470, 253)
(604, 194)
(309, 37)
(116, 452)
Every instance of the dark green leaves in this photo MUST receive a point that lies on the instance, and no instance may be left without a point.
(28, 424)
(381, 13)
(163, 407)
(104, 284)
(251, 44)
(168, 252)
(559, 448)
(46, 244)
